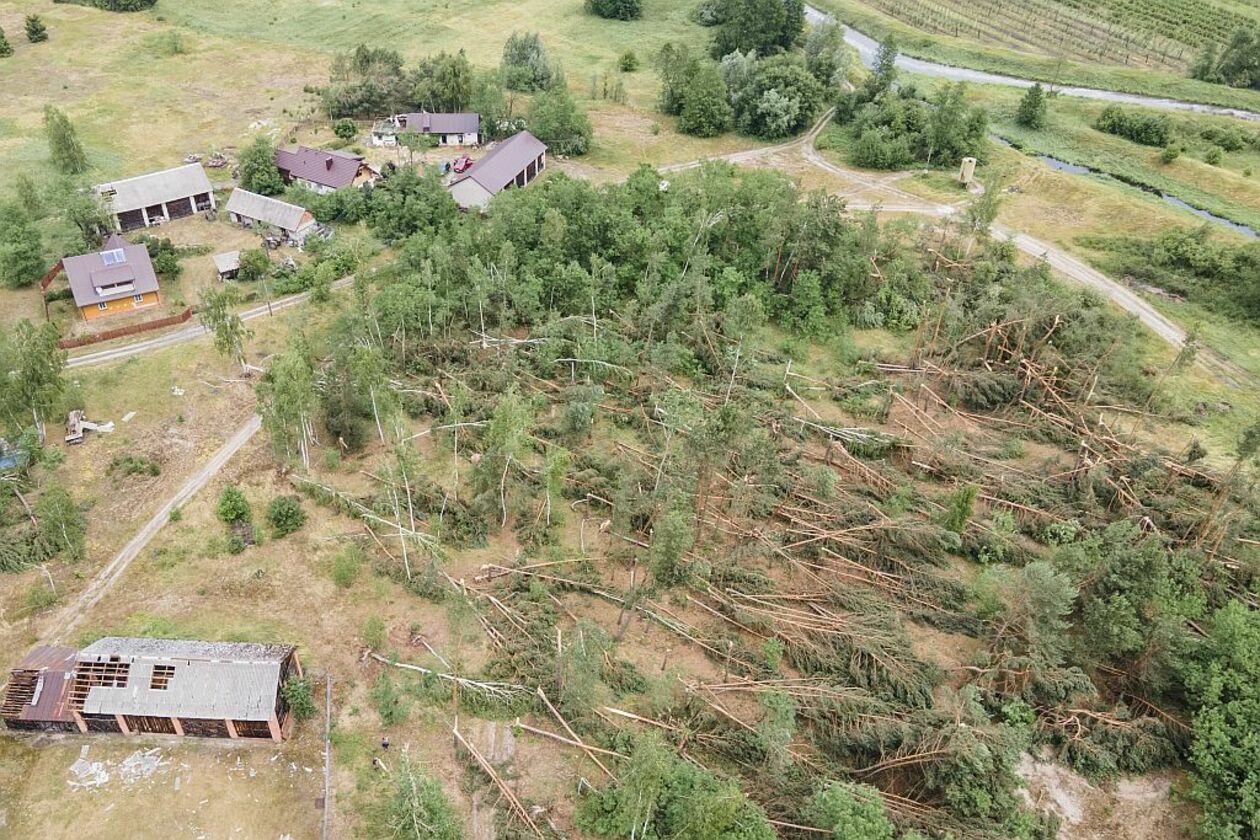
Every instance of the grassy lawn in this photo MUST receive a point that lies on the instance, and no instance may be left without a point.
(962, 52)
(1225, 190)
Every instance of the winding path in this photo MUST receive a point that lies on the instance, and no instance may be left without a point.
(867, 48)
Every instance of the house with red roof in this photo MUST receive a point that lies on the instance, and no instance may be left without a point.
(324, 170)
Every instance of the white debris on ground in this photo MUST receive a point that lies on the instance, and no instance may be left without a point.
(139, 766)
(126, 418)
(177, 391)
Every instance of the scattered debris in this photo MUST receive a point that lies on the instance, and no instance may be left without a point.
(177, 391)
(128, 416)
(77, 424)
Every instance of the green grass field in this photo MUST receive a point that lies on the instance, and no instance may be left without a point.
(1225, 189)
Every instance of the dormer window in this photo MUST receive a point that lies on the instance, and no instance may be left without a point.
(115, 257)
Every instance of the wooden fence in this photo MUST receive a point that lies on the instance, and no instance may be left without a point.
(120, 332)
(47, 279)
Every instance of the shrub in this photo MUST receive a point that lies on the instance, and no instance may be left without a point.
(706, 111)
(615, 9)
(285, 515)
(629, 62)
(1147, 129)
(1170, 154)
(133, 465)
(6, 49)
(391, 704)
(296, 692)
(415, 799)
(374, 632)
(39, 597)
(233, 506)
(235, 544)
(1214, 156)
(345, 566)
(345, 128)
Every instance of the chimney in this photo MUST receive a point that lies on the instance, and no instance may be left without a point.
(328, 163)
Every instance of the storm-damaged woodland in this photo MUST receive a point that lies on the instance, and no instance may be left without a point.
(856, 570)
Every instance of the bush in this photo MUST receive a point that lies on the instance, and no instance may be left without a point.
(1214, 156)
(236, 544)
(1170, 154)
(346, 565)
(615, 9)
(629, 62)
(345, 128)
(415, 799)
(285, 515)
(133, 465)
(233, 506)
(113, 5)
(1140, 127)
(296, 692)
(374, 632)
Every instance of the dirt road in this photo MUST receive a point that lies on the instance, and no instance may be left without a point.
(73, 614)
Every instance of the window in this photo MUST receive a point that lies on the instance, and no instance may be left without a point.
(161, 677)
(102, 306)
(114, 257)
(138, 298)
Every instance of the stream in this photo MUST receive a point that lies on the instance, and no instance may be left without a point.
(868, 48)
(1080, 169)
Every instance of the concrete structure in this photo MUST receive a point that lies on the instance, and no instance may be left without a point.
(449, 129)
(118, 278)
(157, 197)
(324, 170)
(258, 211)
(205, 689)
(513, 163)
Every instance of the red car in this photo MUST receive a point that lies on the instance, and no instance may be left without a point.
(462, 164)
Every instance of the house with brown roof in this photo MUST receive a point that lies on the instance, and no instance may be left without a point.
(512, 163)
(449, 129)
(168, 687)
(158, 197)
(119, 278)
(324, 170)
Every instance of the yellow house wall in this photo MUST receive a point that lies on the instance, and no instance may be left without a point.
(118, 306)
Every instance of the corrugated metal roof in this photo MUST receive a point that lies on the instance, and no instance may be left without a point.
(427, 123)
(228, 261)
(155, 188)
(507, 160)
(319, 166)
(89, 275)
(210, 679)
(102, 649)
(274, 212)
(46, 656)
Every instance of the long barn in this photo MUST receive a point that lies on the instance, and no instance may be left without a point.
(158, 197)
(171, 687)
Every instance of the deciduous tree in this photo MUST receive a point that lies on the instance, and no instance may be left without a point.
(258, 170)
(63, 142)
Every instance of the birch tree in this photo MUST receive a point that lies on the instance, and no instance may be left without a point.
(230, 333)
(287, 402)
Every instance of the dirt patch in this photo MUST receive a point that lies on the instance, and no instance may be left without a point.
(1134, 808)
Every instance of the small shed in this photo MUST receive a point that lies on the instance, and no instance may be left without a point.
(259, 211)
(227, 264)
(513, 163)
(157, 197)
